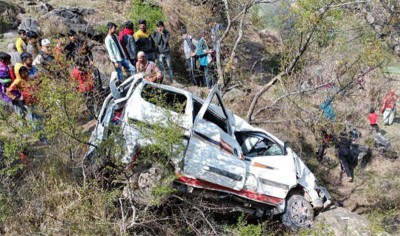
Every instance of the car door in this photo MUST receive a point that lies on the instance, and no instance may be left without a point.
(268, 161)
(213, 154)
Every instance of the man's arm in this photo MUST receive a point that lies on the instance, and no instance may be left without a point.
(13, 87)
(166, 36)
(157, 38)
(131, 47)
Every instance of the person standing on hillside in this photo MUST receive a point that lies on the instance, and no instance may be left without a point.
(116, 52)
(388, 108)
(190, 49)
(342, 151)
(20, 43)
(144, 41)
(329, 111)
(23, 92)
(33, 44)
(204, 54)
(373, 120)
(128, 42)
(85, 82)
(45, 54)
(161, 38)
(6, 76)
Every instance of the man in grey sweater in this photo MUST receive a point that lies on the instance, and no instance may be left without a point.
(161, 38)
(116, 52)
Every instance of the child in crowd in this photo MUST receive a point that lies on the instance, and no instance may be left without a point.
(373, 120)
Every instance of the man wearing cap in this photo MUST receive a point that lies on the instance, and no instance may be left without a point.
(145, 42)
(116, 52)
(45, 56)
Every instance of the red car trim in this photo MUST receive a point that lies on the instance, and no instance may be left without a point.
(243, 193)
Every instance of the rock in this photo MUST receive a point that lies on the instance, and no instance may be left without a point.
(270, 36)
(232, 94)
(29, 24)
(45, 8)
(62, 19)
(340, 221)
(8, 16)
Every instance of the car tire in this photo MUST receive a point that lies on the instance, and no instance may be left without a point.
(144, 180)
(298, 213)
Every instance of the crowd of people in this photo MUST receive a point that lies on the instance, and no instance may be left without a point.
(140, 51)
(343, 142)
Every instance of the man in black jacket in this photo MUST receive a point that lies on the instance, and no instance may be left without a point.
(161, 38)
(342, 151)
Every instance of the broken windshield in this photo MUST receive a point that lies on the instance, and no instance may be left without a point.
(166, 99)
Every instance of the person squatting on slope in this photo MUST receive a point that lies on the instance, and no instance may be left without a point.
(151, 72)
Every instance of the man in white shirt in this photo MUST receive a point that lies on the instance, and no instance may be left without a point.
(189, 49)
(116, 52)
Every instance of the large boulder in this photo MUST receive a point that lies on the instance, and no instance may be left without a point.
(62, 19)
(28, 24)
(341, 221)
(8, 16)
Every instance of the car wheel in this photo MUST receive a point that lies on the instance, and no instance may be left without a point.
(298, 213)
(144, 181)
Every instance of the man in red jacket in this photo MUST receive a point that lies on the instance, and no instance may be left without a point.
(128, 42)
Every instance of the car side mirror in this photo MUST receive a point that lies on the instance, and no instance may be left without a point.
(285, 147)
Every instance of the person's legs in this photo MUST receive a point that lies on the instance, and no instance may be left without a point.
(119, 71)
(391, 116)
(161, 62)
(127, 65)
(202, 78)
(345, 165)
(207, 75)
(169, 65)
(190, 62)
(150, 56)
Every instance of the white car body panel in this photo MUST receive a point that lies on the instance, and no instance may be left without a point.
(212, 154)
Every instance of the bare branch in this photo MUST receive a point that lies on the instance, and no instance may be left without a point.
(290, 94)
(291, 65)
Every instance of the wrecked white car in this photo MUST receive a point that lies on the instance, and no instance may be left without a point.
(224, 155)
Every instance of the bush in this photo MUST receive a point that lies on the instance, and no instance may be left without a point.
(148, 10)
